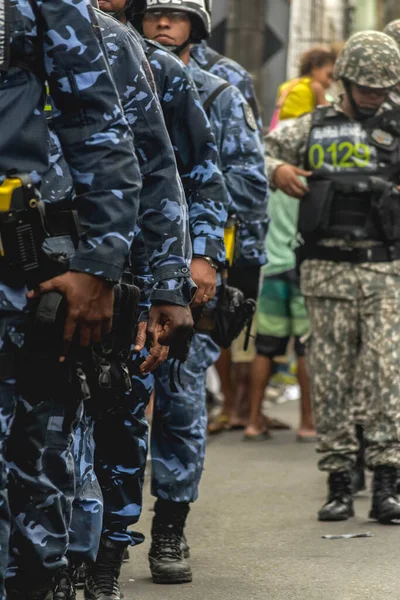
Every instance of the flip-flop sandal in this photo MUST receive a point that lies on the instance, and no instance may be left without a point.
(260, 437)
(218, 424)
(237, 427)
(276, 424)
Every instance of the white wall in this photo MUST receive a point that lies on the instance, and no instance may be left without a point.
(313, 22)
(366, 15)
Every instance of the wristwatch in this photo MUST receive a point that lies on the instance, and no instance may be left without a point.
(213, 263)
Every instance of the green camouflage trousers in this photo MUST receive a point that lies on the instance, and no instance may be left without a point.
(354, 359)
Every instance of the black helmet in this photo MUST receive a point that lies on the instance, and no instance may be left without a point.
(199, 12)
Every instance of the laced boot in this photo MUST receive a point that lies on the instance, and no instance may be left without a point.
(126, 556)
(64, 588)
(385, 505)
(79, 577)
(102, 577)
(18, 590)
(358, 474)
(185, 548)
(165, 557)
(339, 506)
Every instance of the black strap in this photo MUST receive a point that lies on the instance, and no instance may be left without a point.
(353, 255)
(212, 97)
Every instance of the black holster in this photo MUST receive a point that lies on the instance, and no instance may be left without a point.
(229, 318)
(107, 366)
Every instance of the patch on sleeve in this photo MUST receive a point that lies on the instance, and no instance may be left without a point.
(249, 116)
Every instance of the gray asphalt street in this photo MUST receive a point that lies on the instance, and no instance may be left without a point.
(254, 534)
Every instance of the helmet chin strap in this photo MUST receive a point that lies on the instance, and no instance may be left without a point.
(117, 13)
(177, 49)
(362, 114)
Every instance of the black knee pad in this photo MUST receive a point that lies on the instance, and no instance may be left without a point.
(299, 347)
(270, 346)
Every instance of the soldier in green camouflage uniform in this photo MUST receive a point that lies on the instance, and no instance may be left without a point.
(350, 153)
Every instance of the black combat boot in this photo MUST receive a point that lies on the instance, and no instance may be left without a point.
(79, 577)
(340, 501)
(385, 505)
(102, 577)
(126, 556)
(165, 557)
(19, 590)
(64, 588)
(358, 474)
(185, 548)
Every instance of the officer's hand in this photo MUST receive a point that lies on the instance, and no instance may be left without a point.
(158, 354)
(167, 321)
(286, 178)
(90, 305)
(205, 277)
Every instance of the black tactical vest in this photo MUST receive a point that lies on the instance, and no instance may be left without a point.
(353, 163)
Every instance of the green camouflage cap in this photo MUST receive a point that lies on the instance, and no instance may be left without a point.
(393, 29)
(369, 58)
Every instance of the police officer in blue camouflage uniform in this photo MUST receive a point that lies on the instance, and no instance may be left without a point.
(212, 61)
(97, 263)
(120, 469)
(179, 420)
(245, 278)
(94, 137)
(165, 242)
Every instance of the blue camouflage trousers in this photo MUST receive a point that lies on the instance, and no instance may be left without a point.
(178, 440)
(179, 427)
(121, 434)
(38, 453)
(87, 508)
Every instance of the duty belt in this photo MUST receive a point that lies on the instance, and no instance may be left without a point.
(375, 254)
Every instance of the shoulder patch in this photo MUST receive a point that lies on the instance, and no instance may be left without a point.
(249, 117)
(383, 138)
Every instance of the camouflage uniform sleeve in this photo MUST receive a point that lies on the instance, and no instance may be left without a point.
(142, 274)
(197, 159)
(243, 166)
(287, 144)
(163, 215)
(94, 136)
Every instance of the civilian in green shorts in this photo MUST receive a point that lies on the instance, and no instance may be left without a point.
(281, 315)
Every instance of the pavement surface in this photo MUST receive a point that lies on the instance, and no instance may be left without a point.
(254, 535)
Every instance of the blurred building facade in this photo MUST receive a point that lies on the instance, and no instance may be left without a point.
(268, 36)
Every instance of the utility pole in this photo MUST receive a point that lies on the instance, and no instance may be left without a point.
(245, 37)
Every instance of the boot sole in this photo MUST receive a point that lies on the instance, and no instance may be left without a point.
(174, 579)
(384, 519)
(338, 518)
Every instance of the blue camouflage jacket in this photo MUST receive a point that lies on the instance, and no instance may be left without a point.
(195, 150)
(163, 221)
(97, 143)
(242, 158)
(228, 69)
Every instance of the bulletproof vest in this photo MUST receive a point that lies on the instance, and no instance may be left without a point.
(352, 162)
